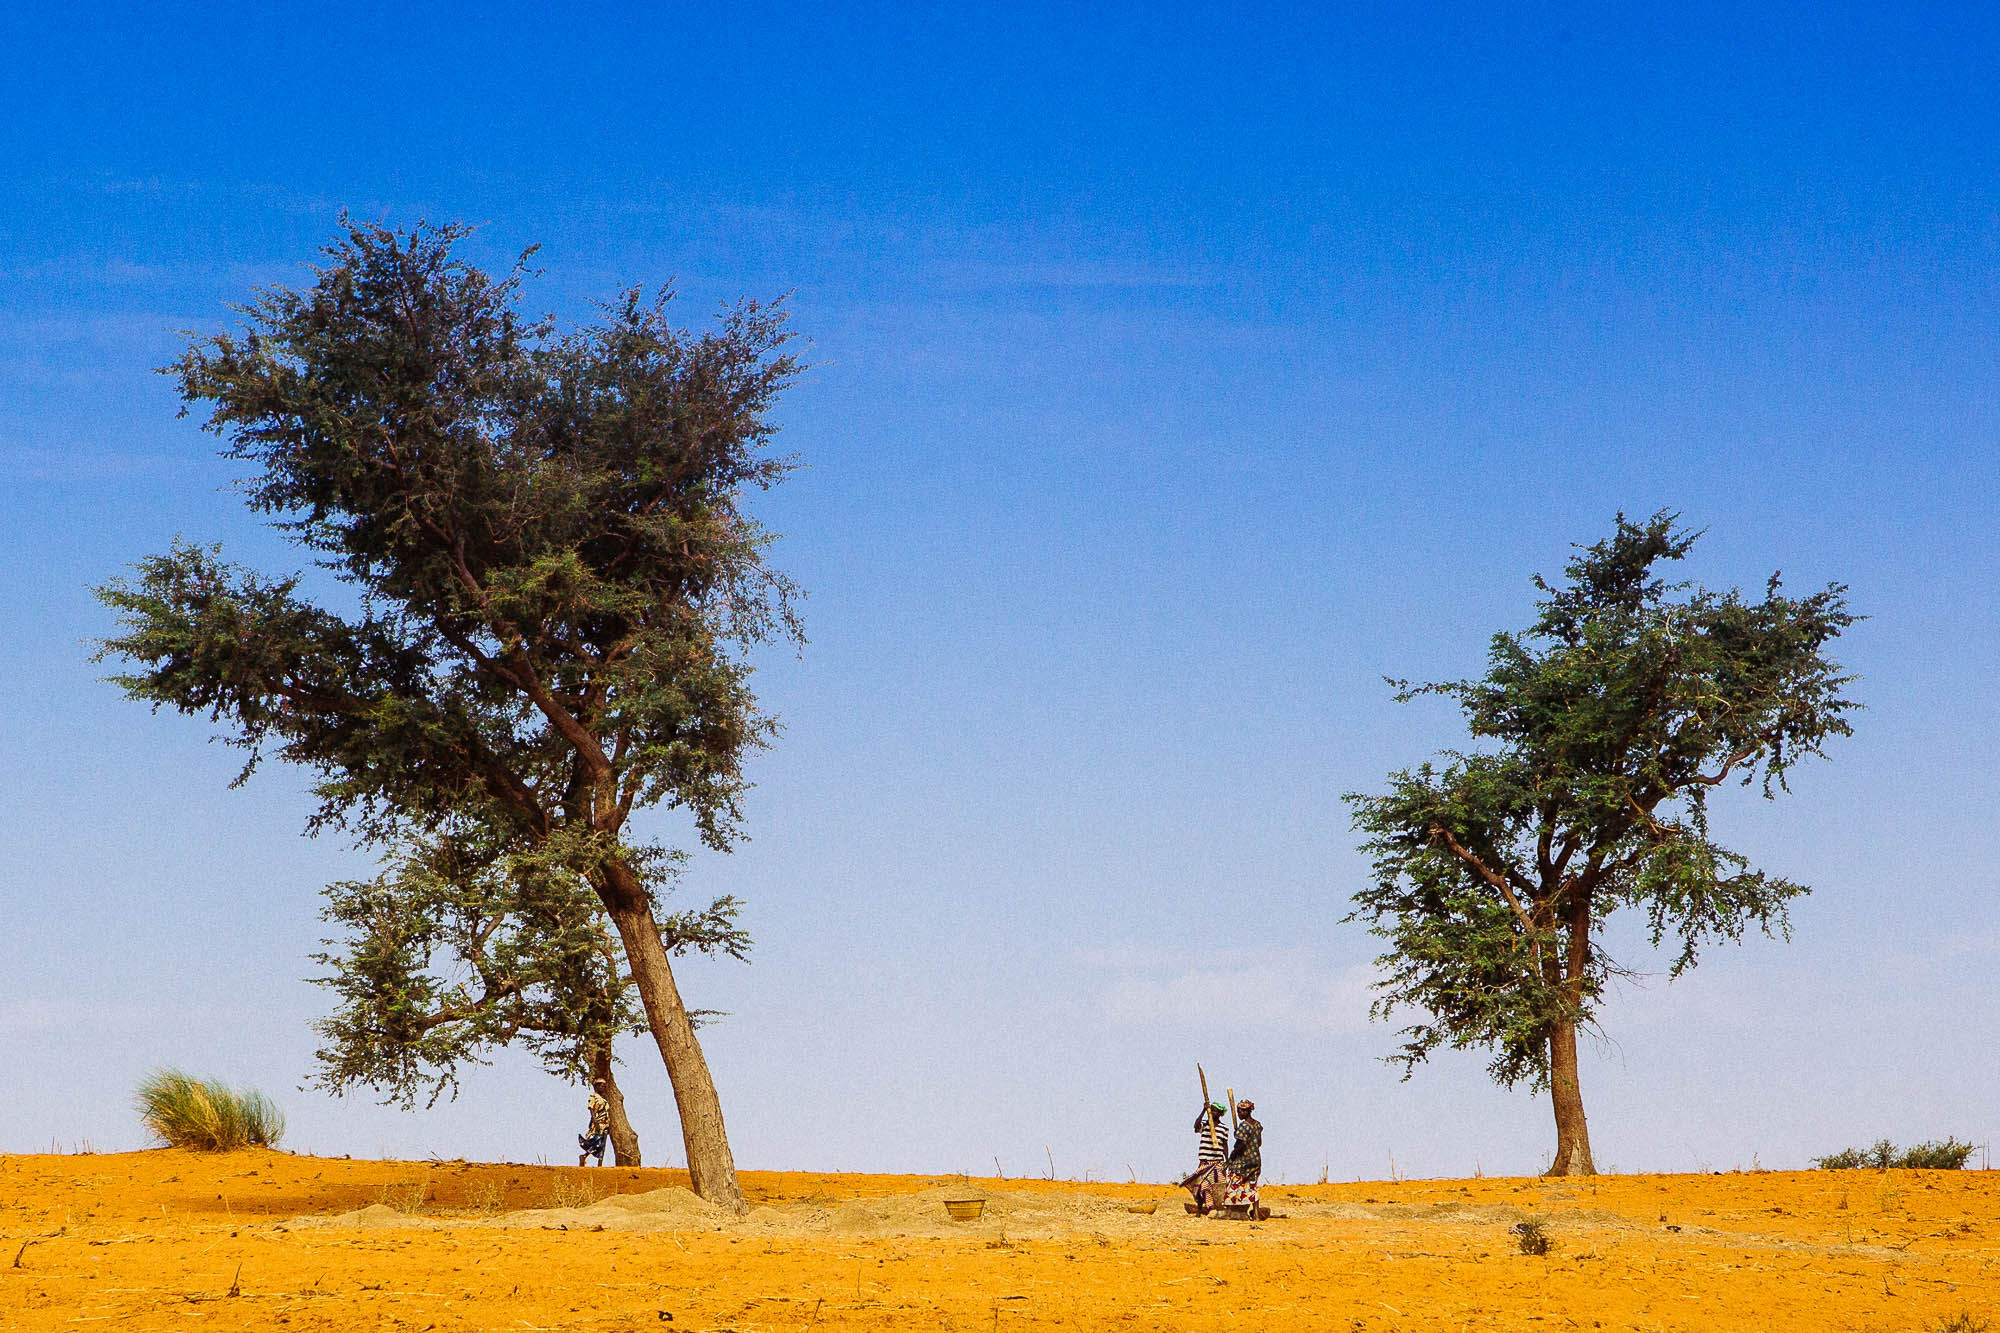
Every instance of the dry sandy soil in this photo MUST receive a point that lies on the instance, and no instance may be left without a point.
(175, 1240)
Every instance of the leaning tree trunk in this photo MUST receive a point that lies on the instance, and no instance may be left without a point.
(624, 1139)
(1572, 1133)
(710, 1164)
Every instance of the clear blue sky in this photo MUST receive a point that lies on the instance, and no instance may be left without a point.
(1178, 375)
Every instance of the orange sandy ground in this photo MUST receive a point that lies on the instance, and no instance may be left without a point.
(175, 1240)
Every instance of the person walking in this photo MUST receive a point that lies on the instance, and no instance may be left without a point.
(592, 1140)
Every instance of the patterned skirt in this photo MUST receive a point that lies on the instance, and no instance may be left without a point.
(1239, 1191)
(1206, 1184)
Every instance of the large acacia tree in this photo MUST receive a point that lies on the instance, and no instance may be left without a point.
(551, 576)
(1607, 725)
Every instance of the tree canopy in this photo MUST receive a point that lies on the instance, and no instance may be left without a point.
(553, 576)
(1605, 727)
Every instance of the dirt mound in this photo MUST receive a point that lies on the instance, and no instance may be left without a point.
(1023, 1215)
(669, 1209)
(673, 1201)
(374, 1216)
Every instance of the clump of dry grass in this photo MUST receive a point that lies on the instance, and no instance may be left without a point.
(407, 1196)
(185, 1112)
(571, 1192)
(488, 1199)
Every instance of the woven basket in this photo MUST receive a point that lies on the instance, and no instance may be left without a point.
(964, 1210)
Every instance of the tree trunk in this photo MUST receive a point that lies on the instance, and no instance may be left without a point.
(624, 1139)
(1565, 1090)
(710, 1163)
(1572, 1133)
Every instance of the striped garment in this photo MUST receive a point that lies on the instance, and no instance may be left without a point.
(1212, 1137)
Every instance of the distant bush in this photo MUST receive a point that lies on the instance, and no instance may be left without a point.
(1951, 1155)
(1853, 1159)
(184, 1112)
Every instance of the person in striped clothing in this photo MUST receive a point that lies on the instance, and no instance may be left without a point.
(1213, 1138)
(1212, 1149)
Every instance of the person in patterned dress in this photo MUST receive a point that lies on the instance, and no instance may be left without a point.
(1245, 1164)
(592, 1140)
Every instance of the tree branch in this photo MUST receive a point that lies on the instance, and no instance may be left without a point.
(471, 1009)
(1486, 873)
(1709, 781)
(520, 671)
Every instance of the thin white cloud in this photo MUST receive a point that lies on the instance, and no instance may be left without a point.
(80, 465)
(977, 274)
(1271, 988)
(1982, 943)
(92, 269)
(25, 1018)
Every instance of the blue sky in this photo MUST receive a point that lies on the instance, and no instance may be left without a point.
(1177, 376)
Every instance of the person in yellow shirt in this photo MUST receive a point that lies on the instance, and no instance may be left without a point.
(592, 1140)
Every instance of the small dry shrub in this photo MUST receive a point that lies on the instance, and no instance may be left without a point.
(407, 1196)
(488, 1199)
(1964, 1322)
(1532, 1238)
(572, 1192)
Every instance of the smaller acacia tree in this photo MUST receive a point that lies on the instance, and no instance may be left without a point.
(1609, 723)
(463, 945)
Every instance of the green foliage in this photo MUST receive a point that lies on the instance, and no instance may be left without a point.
(184, 1112)
(1853, 1159)
(1603, 727)
(466, 943)
(544, 531)
(1950, 1155)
